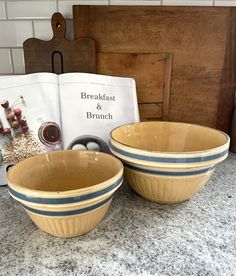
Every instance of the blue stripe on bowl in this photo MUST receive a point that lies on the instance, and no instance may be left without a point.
(67, 199)
(168, 159)
(68, 213)
(186, 173)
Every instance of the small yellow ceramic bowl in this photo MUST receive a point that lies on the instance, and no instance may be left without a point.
(66, 193)
(166, 161)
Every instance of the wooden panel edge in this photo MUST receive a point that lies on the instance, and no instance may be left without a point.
(81, 20)
(167, 82)
(228, 79)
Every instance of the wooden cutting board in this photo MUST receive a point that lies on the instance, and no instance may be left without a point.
(59, 55)
(201, 41)
(150, 69)
(152, 73)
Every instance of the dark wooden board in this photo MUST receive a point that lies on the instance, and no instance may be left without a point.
(228, 77)
(197, 37)
(59, 55)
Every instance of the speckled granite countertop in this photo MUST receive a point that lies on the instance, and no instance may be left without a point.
(136, 237)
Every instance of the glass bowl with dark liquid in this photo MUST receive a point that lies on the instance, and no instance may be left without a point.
(50, 134)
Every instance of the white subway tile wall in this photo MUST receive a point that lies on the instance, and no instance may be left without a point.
(188, 3)
(225, 3)
(18, 61)
(43, 29)
(65, 6)
(5, 61)
(13, 33)
(69, 29)
(22, 19)
(30, 9)
(136, 2)
(2, 10)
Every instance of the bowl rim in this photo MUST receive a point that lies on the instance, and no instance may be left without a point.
(171, 152)
(66, 193)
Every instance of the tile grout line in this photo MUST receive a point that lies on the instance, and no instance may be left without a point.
(12, 65)
(28, 0)
(6, 12)
(57, 5)
(14, 47)
(161, 2)
(7, 74)
(26, 19)
(32, 22)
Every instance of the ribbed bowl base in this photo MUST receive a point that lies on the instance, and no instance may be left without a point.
(165, 189)
(70, 226)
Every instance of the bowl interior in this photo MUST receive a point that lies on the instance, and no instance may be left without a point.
(64, 170)
(169, 137)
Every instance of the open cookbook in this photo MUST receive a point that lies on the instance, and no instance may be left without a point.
(44, 112)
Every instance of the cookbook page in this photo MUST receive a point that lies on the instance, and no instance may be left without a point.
(95, 104)
(29, 117)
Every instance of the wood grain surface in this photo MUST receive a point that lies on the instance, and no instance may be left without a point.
(228, 78)
(197, 38)
(152, 73)
(59, 55)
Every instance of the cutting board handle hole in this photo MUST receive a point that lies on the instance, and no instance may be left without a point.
(58, 25)
(57, 62)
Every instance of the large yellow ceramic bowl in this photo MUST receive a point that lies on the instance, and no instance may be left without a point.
(166, 161)
(66, 193)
